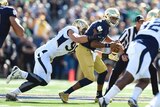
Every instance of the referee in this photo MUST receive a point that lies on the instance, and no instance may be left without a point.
(127, 36)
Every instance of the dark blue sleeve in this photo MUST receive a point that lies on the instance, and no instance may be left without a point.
(11, 11)
(98, 28)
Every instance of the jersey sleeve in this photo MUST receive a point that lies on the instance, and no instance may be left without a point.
(74, 29)
(123, 36)
(11, 12)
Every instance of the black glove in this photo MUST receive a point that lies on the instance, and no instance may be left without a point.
(104, 56)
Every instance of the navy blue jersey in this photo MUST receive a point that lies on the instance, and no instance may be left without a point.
(99, 28)
(5, 13)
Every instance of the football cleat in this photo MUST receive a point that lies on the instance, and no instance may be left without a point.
(132, 103)
(16, 73)
(64, 97)
(11, 97)
(102, 102)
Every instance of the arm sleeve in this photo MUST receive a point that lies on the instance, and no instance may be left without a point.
(12, 12)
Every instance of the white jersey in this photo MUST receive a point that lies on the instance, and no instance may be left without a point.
(58, 46)
(143, 50)
(61, 44)
(151, 28)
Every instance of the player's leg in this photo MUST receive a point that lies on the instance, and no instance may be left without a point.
(87, 67)
(119, 68)
(140, 86)
(139, 61)
(154, 81)
(101, 69)
(41, 76)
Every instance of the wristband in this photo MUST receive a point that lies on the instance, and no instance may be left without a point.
(107, 45)
(104, 56)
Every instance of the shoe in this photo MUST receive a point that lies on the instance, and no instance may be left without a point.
(64, 97)
(16, 73)
(102, 102)
(11, 97)
(96, 100)
(132, 103)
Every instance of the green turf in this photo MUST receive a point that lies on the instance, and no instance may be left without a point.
(81, 98)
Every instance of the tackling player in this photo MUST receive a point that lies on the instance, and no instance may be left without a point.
(63, 43)
(88, 60)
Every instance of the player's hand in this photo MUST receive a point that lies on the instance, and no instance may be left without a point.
(124, 57)
(116, 47)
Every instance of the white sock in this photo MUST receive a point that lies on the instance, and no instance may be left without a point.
(112, 93)
(24, 74)
(16, 91)
(136, 93)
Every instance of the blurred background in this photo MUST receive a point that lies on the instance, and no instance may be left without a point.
(42, 19)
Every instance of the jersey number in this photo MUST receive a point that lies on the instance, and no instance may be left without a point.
(155, 26)
(69, 47)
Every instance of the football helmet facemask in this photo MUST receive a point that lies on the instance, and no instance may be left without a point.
(112, 16)
(152, 14)
(81, 24)
(3, 2)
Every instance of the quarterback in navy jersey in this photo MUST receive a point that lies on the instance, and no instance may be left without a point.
(88, 60)
(8, 18)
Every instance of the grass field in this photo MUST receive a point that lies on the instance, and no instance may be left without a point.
(48, 96)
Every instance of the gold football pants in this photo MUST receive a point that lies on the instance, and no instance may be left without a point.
(87, 63)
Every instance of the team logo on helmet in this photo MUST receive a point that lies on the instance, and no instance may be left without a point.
(81, 25)
(3, 2)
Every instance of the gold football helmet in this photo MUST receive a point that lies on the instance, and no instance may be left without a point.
(152, 14)
(81, 24)
(112, 16)
(3, 2)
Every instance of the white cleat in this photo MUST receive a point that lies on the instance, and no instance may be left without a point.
(101, 102)
(16, 73)
(132, 103)
(11, 97)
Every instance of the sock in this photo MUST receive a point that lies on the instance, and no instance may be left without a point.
(70, 90)
(16, 91)
(111, 93)
(136, 93)
(24, 74)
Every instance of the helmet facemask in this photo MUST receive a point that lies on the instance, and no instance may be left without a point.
(112, 16)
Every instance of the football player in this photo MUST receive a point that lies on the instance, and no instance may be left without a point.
(88, 60)
(63, 43)
(141, 53)
(8, 17)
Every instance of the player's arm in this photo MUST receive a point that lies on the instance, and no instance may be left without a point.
(15, 23)
(108, 39)
(80, 38)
